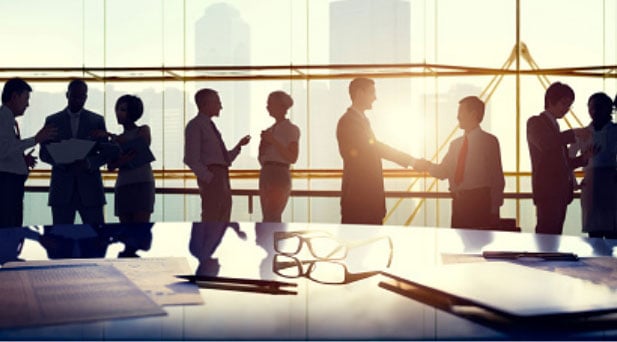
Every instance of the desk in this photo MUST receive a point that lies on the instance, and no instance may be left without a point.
(358, 310)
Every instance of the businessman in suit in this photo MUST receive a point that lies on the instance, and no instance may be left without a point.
(363, 199)
(552, 177)
(473, 169)
(77, 186)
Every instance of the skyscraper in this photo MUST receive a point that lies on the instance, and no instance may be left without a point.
(222, 37)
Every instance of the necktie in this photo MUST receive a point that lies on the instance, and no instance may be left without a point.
(460, 164)
(221, 144)
(17, 134)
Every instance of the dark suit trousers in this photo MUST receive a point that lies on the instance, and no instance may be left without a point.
(216, 196)
(11, 199)
(550, 214)
(65, 214)
(471, 209)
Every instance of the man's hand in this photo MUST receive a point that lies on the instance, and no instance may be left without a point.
(244, 140)
(30, 159)
(421, 165)
(583, 134)
(45, 134)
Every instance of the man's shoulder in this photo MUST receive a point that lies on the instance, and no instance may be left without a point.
(56, 115)
(92, 114)
(194, 123)
(534, 119)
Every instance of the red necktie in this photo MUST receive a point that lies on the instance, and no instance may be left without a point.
(460, 164)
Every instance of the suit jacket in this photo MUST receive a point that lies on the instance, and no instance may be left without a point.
(552, 178)
(64, 178)
(362, 186)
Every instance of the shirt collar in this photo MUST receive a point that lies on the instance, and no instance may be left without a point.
(73, 115)
(551, 117)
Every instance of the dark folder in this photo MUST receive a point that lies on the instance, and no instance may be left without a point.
(514, 291)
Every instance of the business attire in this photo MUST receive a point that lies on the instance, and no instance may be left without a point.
(206, 155)
(74, 188)
(134, 189)
(552, 179)
(363, 198)
(275, 177)
(475, 175)
(13, 170)
(599, 186)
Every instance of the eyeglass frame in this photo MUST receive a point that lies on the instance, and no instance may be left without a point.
(348, 276)
(277, 236)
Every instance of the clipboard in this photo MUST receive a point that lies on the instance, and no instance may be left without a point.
(509, 296)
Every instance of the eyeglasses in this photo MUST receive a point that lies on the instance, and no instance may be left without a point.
(322, 245)
(321, 271)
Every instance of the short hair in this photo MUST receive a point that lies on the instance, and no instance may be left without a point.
(134, 106)
(556, 92)
(283, 98)
(603, 103)
(475, 104)
(359, 83)
(204, 93)
(14, 85)
(75, 82)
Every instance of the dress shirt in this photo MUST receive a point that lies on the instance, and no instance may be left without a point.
(74, 121)
(202, 147)
(284, 132)
(482, 167)
(12, 148)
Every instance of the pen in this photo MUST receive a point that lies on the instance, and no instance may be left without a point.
(538, 255)
(213, 279)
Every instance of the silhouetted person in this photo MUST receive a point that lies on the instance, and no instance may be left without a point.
(134, 190)
(473, 169)
(277, 150)
(14, 163)
(205, 153)
(77, 186)
(363, 198)
(599, 187)
(552, 179)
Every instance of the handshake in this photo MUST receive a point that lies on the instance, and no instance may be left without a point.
(420, 164)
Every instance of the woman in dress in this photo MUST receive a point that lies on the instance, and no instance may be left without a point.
(277, 150)
(134, 190)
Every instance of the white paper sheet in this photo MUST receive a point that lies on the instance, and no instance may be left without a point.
(154, 276)
(42, 295)
(70, 150)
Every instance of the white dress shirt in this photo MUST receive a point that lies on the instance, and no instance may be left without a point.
(11, 148)
(482, 167)
(284, 132)
(202, 147)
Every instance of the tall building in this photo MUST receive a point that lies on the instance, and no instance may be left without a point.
(222, 37)
(373, 32)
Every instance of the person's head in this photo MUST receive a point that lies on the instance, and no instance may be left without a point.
(362, 93)
(279, 103)
(76, 95)
(129, 108)
(208, 102)
(600, 107)
(16, 95)
(558, 99)
(470, 112)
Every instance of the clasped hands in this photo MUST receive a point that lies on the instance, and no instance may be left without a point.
(421, 164)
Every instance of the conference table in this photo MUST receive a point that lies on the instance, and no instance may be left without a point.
(314, 281)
